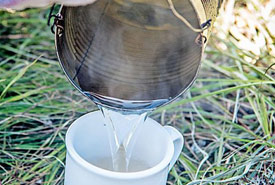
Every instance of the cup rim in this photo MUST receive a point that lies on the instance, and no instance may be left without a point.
(111, 174)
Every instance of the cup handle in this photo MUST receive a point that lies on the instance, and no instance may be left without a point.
(178, 140)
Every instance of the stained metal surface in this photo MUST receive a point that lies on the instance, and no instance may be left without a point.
(131, 50)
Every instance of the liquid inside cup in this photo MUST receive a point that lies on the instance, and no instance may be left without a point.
(106, 163)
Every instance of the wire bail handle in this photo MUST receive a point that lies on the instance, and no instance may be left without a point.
(200, 39)
(58, 22)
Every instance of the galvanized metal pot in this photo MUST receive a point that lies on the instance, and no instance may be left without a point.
(134, 54)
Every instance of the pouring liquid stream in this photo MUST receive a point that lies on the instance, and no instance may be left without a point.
(123, 130)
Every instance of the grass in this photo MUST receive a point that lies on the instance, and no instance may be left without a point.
(227, 117)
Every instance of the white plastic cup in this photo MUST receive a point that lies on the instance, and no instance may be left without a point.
(87, 139)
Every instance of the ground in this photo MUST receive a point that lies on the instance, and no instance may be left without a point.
(227, 117)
